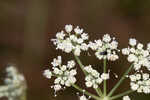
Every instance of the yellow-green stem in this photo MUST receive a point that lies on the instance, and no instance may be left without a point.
(120, 81)
(85, 92)
(121, 94)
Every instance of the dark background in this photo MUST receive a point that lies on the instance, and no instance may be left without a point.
(26, 26)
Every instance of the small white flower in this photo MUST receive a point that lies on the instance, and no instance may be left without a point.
(84, 47)
(148, 46)
(80, 40)
(71, 64)
(146, 76)
(73, 72)
(84, 36)
(140, 46)
(83, 97)
(57, 87)
(64, 67)
(77, 30)
(77, 51)
(68, 28)
(47, 73)
(134, 86)
(88, 84)
(125, 51)
(106, 38)
(132, 58)
(57, 61)
(105, 76)
(132, 42)
(126, 98)
(60, 35)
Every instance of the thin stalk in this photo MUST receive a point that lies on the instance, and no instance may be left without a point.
(80, 64)
(120, 81)
(86, 92)
(105, 83)
(98, 90)
(121, 94)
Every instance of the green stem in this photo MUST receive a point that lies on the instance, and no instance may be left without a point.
(105, 83)
(80, 64)
(98, 90)
(87, 93)
(121, 94)
(120, 81)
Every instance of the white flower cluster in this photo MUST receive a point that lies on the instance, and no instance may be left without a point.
(137, 54)
(15, 84)
(105, 48)
(71, 40)
(140, 82)
(126, 98)
(65, 74)
(93, 79)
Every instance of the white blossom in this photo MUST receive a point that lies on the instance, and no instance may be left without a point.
(14, 84)
(105, 76)
(77, 30)
(93, 78)
(65, 74)
(137, 55)
(126, 98)
(68, 28)
(106, 38)
(132, 41)
(70, 41)
(105, 48)
(47, 73)
(83, 97)
(140, 82)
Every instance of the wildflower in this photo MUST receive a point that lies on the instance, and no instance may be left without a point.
(132, 41)
(83, 97)
(140, 82)
(71, 42)
(126, 98)
(65, 74)
(93, 78)
(137, 55)
(48, 74)
(105, 48)
(68, 28)
(14, 84)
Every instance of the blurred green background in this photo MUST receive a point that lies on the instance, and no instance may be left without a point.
(26, 26)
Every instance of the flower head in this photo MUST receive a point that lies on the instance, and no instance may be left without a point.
(105, 48)
(65, 74)
(93, 78)
(69, 41)
(137, 55)
(14, 84)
